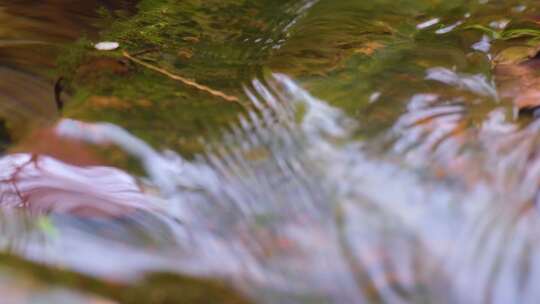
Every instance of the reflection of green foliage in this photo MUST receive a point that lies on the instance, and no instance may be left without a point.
(72, 57)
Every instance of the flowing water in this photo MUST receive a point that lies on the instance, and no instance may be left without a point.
(381, 159)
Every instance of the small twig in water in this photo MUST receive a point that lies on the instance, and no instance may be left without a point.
(186, 81)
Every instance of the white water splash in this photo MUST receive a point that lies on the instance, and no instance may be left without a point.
(477, 84)
(315, 215)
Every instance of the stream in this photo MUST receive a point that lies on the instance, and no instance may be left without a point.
(380, 152)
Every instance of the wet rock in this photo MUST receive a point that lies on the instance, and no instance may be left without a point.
(520, 83)
(26, 101)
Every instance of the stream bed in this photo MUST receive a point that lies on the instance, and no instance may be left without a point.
(271, 151)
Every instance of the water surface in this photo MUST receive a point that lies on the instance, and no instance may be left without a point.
(379, 158)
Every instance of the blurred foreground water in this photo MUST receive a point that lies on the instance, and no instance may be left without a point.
(295, 211)
(404, 176)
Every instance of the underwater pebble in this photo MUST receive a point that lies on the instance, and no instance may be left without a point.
(374, 97)
(107, 46)
(448, 29)
(428, 23)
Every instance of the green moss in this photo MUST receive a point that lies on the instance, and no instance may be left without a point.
(341, 51)
(200, 40)
(72, 56)
(221, 44)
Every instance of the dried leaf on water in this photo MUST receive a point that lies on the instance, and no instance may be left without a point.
(369, 48)
(520, 82)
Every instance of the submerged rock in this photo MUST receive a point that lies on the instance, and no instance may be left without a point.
(26, 101)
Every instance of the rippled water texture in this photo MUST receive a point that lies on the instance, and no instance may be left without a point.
(382, 160)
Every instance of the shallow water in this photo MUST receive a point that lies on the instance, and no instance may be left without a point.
(381, 160)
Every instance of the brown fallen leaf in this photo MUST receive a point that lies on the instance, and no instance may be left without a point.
(143, 103)
(369, 48)
(520, 82)
(110, 102)
(191, 39)
(185, 54)
(96, 66)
